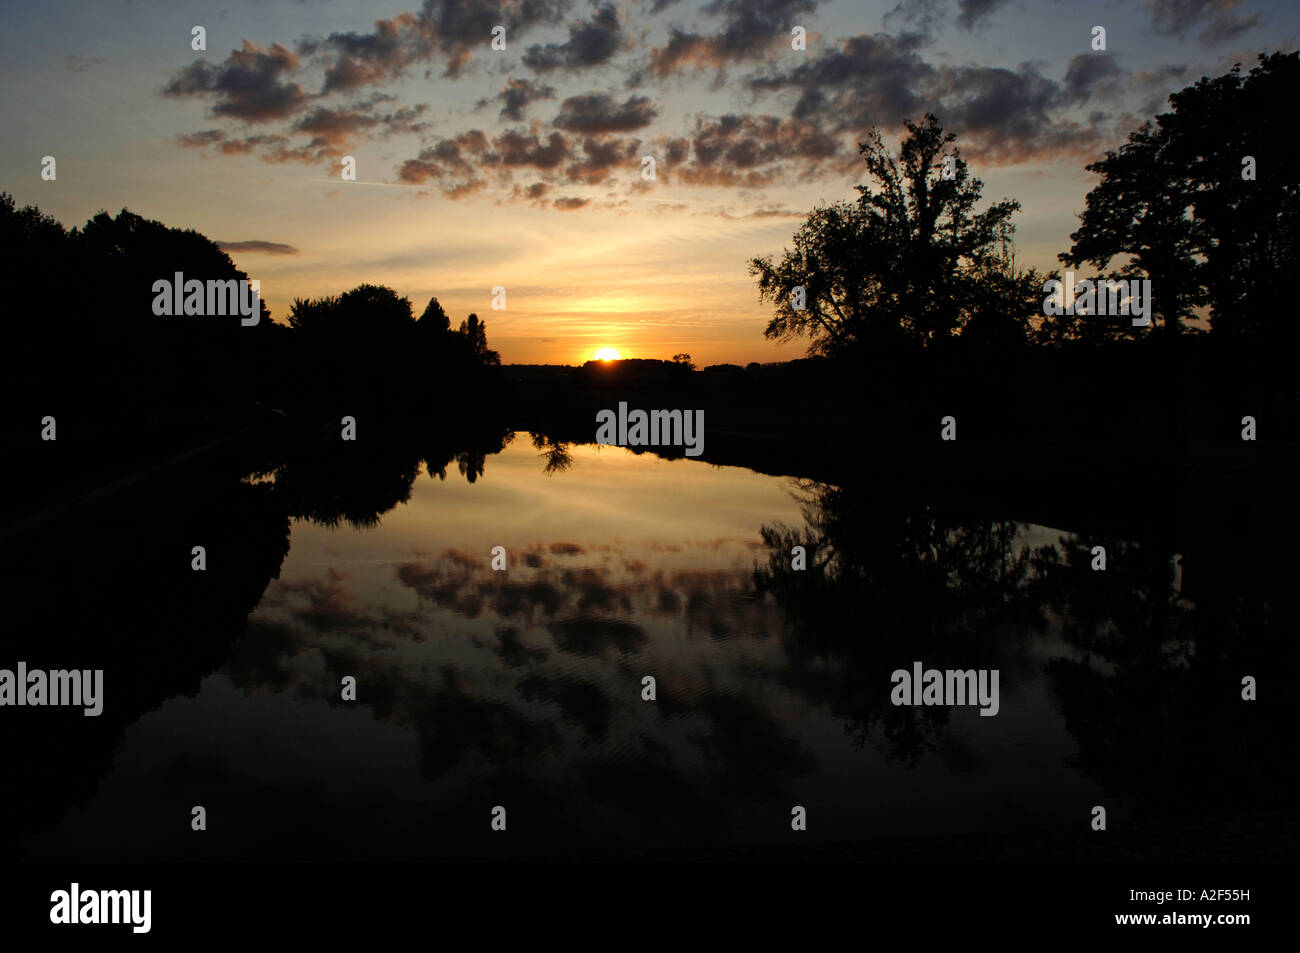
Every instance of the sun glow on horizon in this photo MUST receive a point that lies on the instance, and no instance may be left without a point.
(608, 354)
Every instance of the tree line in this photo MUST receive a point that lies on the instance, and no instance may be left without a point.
(1204, 201)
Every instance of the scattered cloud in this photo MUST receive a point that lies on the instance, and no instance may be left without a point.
(1176, 17)
(590, 43)
(596, 112)
(1003, 116)
(1227, 27)
(972, 14)
(257, 245)
(750, 29)
(516, 96)
(923, 17)
(75, 63)
(248, 86)
(800, 117)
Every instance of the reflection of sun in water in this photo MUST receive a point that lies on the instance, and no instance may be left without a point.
(607, 354)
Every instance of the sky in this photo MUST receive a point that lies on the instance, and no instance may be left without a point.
(523, 168)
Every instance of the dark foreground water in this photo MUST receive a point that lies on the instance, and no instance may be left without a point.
(523, 688)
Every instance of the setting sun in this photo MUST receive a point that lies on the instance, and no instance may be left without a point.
(607, 354)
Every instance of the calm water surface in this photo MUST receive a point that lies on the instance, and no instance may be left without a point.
(523, 688)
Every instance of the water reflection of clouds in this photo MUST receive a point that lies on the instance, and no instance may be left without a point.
(501, 668)
(526, 684)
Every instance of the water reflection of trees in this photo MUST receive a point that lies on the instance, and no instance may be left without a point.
(887, 584)
(113, 589)
(1149, 684)
(110, 586)
(350, 482)
(1148, 681)
(1155, 703)
(556, 453)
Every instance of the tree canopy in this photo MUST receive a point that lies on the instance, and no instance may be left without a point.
(905, 262)
(1205, 202)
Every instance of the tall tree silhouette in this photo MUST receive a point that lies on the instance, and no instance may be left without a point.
(434, 317)
(1175, 203)
(1138, 211)
(901, 262)
(475, 333)
(1250, 240)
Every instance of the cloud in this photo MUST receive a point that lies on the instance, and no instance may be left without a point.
(833, 95)
(330, 130)
(1087, 75)
(596, 113)
(868, 80)
(233, 146)
(449, 30)
(974, 13)
(445, 158)
(750, 29)
(456, 163)
(1004, 116)
(465, 164)
(516, 96)
(516, 148)
(364, 59)
(257, 245)
(247, 86)
(589, 44)
(580, 702)
(197, 140)
(339, 126)
(735, 149)
(534, 192)
(1176, 17)
(591, 636)
(731, 150)
(75, 63)
(923, 16)
(600, 156)
(1156, 85)
(1227, 26)
(460, 25)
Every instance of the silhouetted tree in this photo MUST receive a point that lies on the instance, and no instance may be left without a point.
(1138, 210)
(366, 311)
(314, 314)
(434, 318)
(475, 333)
(1248, 227)
(1174, 204)
(36, 256)
(379, 307)
(130, 253)
(900, 262)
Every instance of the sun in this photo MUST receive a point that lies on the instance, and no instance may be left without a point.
(608, 354)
